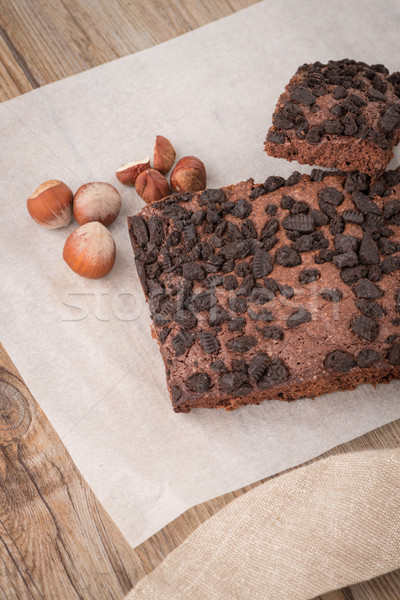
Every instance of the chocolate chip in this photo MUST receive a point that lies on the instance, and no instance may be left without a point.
(356, 182)
(319, 218)
(366, 328)
(286, 291)
(352, 216)
(298, 317)
(294, 178)
(199, 382)
(339, 360)
(231, 382)
(287, 257)
(390, 264)
(273, 285)
(337, 225)
(367, 357)
(192, 271)
(309, 275)
(324, 256)
(347, 259)
(260, 315)
(304, 243)
(327, 209)
(261, 295)
(208, 342)
(375, 95)
(275, 373)
(228, 266)
(390, 209)
(139, 229)
(185, 319)
(216, 196)
(282, 122)
(368, 253)
(262, 264)
(248, 230)
(333, 127)
(270, 229)
(237, 304)
(242, 344)
(351, 275)
(271, 332)
(275, 137)
(394, 355)
(375, 273)
(346, 243)
(390, 119)
(315, 134)
(213, 281)
(246, 286)
(203, 301)
(287, 202)
(182, 342)
(273, 183)
(257, 366)
(332, 295)
(237, 324)
(331, 195)
(349, 124)
(300, 222)
(242, 269)
(366, 289)
(242, 209)
(218, 315)
(370, 309)
(339, 93)
(302, 95)
(271, 209)
(300, 208)
(230, 282)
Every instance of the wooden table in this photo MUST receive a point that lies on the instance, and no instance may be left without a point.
(56, 540)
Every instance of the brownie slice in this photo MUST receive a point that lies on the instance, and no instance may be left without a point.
(274, 291)
(344, 115)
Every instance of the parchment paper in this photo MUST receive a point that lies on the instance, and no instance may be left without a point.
(84, 347)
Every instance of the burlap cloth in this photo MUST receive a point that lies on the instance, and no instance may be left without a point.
(318, 528)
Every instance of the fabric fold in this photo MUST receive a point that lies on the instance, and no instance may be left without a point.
(317, 528)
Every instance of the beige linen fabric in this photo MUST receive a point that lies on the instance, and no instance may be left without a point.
(320, 527)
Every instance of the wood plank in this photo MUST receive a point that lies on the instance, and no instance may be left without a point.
(55, 538)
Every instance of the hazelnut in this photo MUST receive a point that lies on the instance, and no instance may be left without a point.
(189, 175)
(152, 186)
(128, 173)
(90, 250)
(164, 154)
(96, 201)
(51, 204)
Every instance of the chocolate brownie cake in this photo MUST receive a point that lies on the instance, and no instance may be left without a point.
(274, 291)
(344, 115)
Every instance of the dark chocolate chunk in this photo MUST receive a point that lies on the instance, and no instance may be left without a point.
(257, 366)
(349, 124)
(332, 295)
(391, 208)
(139, 230)
(218, 366)
(242, 344)
(218, 315)
(237, 304)
(357, 182)
(337, 225)
(203, 301)
(324, 256)
(287, 257)
(242, 209)
(286, 291)
(304, 243)
(351, 275)
(364, 204)
(185, 319)
(293, 178)
(273, 285)
(210, 195)
(270, 229)
(315, 134)
(339, 360)
(156, 231)
(339, 93)
(260, 295)
(309, 275)
(271, 209)
(300, 222)
(375, 273)
(347, 259)
(298, 317)
(327, 209)
(276, 373)
(282, 122)
(300, 208)
(262, 264)
(287, 202)
(394, 355)
(163, 334)
(390, 118)
(368, 253)
(208, 342)
(333, 126)
(331, 195)
(352, 216)
(367, 357)
(192, 271)
(231, 382)
(366, 289)
(375, 95)
(366, 328)
(370, 309)
(390, 264)
(273, 183)
(319, 218)
(230, 282)
(247, 285)
(248, 230)
(260, 315)
(272, 332)
(242, 269)
(275, 137)
(176, 393)
(346, 243)
(237, 324)
(302, 95)
(199, 382)
(182, 341)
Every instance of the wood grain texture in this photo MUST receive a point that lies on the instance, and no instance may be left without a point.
(56, 541)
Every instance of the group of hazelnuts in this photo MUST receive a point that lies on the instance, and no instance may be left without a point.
(90, 250)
